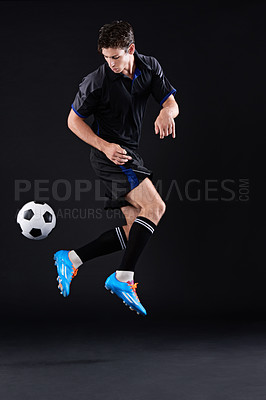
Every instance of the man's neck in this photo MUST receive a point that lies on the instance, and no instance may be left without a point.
(130, 69)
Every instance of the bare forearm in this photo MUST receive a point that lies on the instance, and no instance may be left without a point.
(85, 133)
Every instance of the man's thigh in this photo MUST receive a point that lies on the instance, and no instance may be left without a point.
(144, 194)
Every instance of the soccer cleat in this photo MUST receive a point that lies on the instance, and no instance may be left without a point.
(126, 291)
(66, 271)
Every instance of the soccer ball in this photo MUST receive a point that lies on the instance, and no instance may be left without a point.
(36, 220)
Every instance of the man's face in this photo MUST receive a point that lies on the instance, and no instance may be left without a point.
(117, 59)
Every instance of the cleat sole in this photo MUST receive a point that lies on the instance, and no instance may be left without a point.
(127, 305)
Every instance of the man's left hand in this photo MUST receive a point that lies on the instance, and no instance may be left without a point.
(164, 124)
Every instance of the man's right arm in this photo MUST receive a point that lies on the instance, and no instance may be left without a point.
(112, 150)
(78, 126)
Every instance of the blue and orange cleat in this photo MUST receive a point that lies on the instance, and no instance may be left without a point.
(125, 291)
(66, 271)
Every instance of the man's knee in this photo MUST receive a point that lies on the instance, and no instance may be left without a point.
(162, 208)
(155, 209)
(130, 213)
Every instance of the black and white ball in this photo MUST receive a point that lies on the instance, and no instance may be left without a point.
(36, 220)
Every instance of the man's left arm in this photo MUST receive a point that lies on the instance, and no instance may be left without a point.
(165, 123)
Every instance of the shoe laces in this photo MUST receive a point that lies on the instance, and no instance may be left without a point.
(75, 270)
(74, 273)
(133, 287)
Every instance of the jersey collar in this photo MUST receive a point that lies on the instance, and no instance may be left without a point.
(140, 63)
(140, 60)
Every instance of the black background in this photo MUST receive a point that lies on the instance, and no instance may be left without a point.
(207, 257)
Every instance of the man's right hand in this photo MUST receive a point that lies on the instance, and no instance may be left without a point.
(116, 153)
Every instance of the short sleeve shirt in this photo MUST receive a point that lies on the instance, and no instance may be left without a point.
(118, 103)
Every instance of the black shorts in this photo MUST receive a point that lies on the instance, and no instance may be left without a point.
(118, 180)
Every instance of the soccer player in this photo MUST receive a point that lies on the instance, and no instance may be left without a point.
(116, 94)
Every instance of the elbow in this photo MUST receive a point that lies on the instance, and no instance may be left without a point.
(69, 124)
(71, 121)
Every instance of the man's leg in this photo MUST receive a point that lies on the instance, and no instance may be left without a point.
(108, 242)
(146, 199)
(151, 208)
(68, 261)
(130, 213)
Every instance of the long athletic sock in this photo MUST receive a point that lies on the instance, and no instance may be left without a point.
(139, 234)
(108, 242)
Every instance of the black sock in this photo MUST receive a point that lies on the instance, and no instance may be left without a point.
(108, 242)
(140, 232)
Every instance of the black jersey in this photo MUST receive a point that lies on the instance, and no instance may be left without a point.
(118, 102)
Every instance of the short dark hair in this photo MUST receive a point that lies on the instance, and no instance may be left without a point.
(117, 34)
